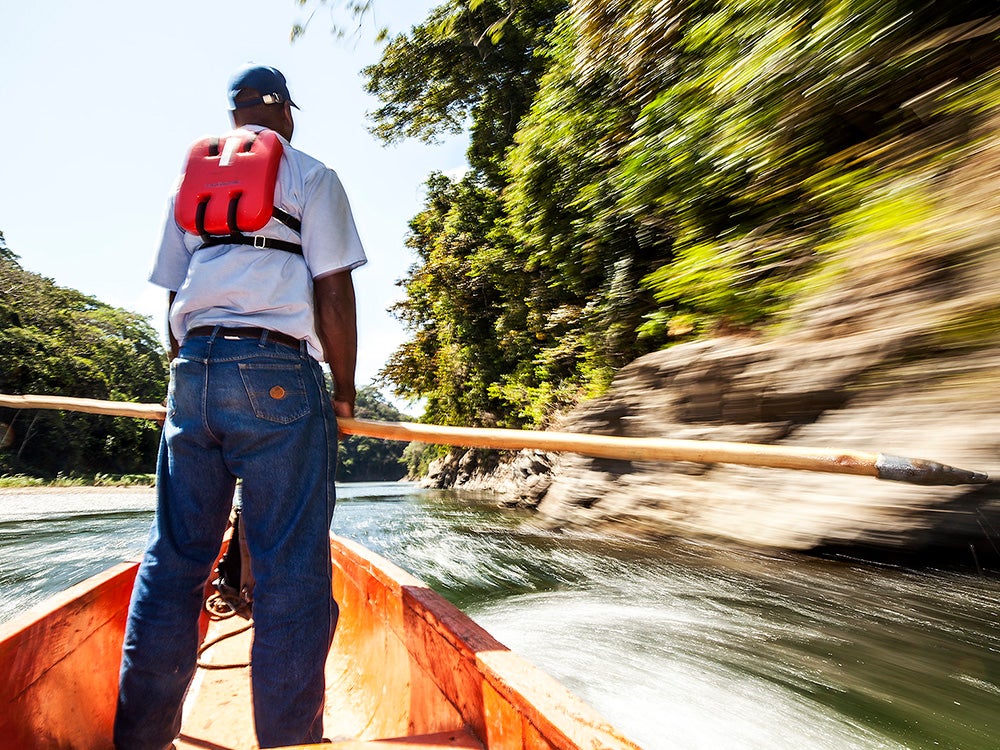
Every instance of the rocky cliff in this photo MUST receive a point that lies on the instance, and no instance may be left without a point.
(899, 353)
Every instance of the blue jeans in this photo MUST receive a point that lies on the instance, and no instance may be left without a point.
(258, 411)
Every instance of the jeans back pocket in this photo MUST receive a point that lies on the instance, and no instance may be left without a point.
(277, 392)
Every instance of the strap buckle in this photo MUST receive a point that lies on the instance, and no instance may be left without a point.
(260, 242)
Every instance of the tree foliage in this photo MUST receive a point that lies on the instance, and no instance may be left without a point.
(646, 171)
(355, 11)
(734, 154)
(458, 306)
(472, 64)
(57, 341)
(361, 459)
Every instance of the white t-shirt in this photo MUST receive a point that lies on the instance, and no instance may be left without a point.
(240, 285)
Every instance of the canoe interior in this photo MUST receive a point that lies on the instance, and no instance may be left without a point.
(407, 670)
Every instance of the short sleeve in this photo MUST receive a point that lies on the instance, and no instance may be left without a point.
(330, 240)
(173, 257)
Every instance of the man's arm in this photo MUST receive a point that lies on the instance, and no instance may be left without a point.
(174, 345)
(336, 323)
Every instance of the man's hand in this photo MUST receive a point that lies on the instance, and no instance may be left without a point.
(343, 408)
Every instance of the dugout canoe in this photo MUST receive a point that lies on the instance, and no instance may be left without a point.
(407, 670)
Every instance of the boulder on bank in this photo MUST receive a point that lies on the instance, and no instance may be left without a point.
(953, 418)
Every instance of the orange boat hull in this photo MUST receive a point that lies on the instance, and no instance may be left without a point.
(60, 666)
(407, 670)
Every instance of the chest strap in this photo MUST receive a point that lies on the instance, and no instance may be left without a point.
(254, 240)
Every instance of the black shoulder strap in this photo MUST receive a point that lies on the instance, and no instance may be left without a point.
(199, 220)
(287, 219)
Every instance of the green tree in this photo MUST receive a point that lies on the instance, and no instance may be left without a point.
(57, 341)
(461, 306)
(476, 310)
(731, 156)
(563, 195)
(471, 64)
(361, 459)
(675, 168)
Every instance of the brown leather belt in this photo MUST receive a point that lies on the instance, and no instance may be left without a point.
(245, 333)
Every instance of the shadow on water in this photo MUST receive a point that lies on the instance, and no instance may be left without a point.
(681, 645)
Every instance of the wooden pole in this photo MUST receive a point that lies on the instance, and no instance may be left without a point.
(882, 466)
(897, 468)
(622, 448)
(154, 412)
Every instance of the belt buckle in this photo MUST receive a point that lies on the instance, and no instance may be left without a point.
(259, 242)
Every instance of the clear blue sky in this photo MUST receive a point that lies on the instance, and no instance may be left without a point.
(102, 99)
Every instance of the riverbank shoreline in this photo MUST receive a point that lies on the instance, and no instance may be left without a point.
(100, 481)
(77, 489)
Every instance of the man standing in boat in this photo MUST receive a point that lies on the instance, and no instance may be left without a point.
(257, 252)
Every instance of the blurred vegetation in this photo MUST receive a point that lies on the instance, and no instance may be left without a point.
(646, 172)
(361, 459)
(14, 481)
(57, 341)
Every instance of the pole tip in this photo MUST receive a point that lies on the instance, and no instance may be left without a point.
(919, 471)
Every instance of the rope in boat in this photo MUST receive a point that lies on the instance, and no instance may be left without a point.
(219, 609)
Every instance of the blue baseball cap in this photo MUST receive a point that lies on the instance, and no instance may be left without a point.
(265, 80)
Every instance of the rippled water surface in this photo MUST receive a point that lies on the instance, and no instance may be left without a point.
(681, 647)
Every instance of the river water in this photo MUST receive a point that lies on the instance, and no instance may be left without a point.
(680, 646)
